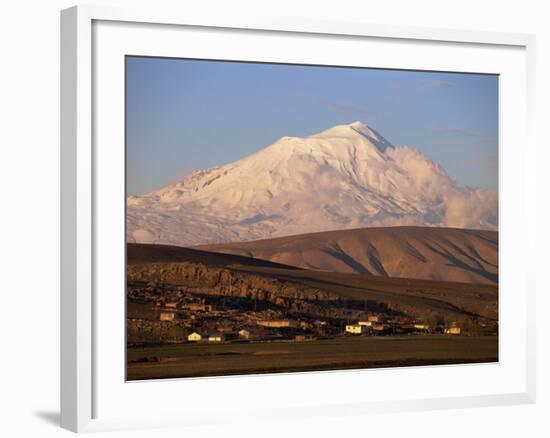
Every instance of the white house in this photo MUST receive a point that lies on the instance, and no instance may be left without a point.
(452, 330)
(194, 337)
(365, 323)
(356, 329)
(216, 337)
(244, 333)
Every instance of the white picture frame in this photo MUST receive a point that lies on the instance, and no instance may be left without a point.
(83, 323)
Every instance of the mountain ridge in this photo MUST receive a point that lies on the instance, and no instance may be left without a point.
(344, 177)
(428, 253)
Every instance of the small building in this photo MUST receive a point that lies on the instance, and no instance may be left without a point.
(365, 323)
(195, 337)
(452, 330)
(374, 318)
(167, 316)
(171, 305)
(420, 326)
(277, 323)
(356, 329)
(243, 333)
(216, 337)
(198, 307)
(380, 327)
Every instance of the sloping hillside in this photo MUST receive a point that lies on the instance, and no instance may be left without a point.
(229, 275)
(430, 253)
(139, 253)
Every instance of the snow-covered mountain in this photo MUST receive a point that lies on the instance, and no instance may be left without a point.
(346, 177)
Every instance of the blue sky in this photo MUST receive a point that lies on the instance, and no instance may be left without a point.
(185, 114)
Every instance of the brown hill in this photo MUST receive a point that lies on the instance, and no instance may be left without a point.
(142, 253)
(431, 253)
(221, 274)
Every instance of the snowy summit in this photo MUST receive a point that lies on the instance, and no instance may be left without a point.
(348, 176)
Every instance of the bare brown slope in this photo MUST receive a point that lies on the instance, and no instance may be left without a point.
(283, 286)
(141, 253)
(431, 253)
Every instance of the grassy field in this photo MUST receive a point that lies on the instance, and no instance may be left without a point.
(196, 360)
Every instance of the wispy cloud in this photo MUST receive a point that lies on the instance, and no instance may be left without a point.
(452, 130)
(418, 89)
(340, 106)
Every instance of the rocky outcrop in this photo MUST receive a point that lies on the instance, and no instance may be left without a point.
(213, 280)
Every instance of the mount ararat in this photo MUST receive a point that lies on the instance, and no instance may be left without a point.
(345, 177)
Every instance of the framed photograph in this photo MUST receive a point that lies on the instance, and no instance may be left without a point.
(279, 217)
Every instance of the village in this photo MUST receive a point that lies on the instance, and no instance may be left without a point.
(157, 314)
(374, 325)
